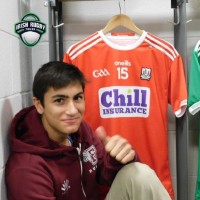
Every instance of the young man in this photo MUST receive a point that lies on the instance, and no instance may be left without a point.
(56, 155)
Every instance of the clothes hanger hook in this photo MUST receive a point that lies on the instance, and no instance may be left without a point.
(120, 7)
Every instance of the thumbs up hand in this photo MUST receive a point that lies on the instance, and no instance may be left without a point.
(116, 146)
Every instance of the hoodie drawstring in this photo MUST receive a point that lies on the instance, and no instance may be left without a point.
(81, 165)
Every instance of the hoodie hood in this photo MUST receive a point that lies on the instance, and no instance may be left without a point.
(28, 135)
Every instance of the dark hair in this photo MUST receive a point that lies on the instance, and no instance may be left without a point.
(56, 74)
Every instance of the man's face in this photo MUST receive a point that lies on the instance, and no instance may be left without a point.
(63, 111)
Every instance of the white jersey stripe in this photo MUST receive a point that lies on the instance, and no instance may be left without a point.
(82, 44)
(197, 47)
(170, 47)
(85, 48)
(161, 49)
(171, 50)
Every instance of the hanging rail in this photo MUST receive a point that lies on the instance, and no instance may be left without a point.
(180, 42)
(55, 29)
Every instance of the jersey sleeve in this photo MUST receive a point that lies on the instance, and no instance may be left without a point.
(66, 58)
(178, 88)
(194, 84)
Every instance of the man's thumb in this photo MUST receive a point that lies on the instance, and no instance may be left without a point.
(101, 134)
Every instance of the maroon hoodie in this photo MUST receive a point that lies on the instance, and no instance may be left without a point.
(42, 169)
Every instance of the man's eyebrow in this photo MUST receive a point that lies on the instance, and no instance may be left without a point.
(66, 96)
(80, 93)
(59, 96)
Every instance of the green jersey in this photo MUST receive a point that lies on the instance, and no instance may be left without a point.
(194, 99)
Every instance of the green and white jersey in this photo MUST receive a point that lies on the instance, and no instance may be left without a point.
(194, 100)
(194, 81)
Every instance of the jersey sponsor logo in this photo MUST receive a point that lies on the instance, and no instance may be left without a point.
(145, 73)
(100, 73)
(124, 101)
(90, 155)
(65, 186)
(123, 63)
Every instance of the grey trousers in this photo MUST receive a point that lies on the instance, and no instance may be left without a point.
(137, 181)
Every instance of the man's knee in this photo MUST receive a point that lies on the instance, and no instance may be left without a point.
(139, 176)
(136, 171)
(137, 181)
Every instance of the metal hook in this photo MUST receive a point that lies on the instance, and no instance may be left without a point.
(188, 21)
(177, 12)
(57, 26)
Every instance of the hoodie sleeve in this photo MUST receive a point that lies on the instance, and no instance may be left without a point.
(28, 181)
(107, 166)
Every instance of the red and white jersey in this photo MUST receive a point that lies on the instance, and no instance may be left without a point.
(131, 81)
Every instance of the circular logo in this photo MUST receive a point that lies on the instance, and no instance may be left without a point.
(30, 29)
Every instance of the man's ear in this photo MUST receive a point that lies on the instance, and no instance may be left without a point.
(38, 105)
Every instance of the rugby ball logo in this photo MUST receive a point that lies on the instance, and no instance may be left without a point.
(30, 29)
